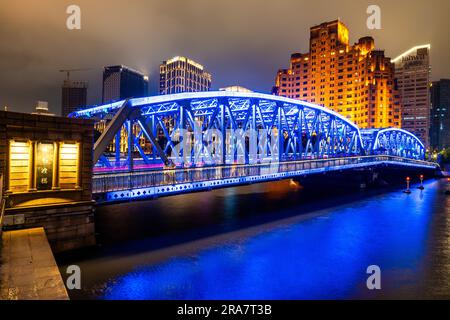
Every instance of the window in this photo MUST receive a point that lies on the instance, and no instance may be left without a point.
(68, 166)
(19, 165)
(43, 166)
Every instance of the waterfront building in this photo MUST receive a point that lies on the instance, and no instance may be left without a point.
(356, 81)
(120, 82)
(46, 169)
(412, 71)
(440, 114)
(74, 96)
(181, 74)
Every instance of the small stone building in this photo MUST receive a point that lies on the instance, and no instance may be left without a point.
(46, 164)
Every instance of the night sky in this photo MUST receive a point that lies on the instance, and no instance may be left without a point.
(241, 42)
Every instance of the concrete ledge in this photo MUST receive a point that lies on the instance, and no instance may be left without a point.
(28, 270)
(67, 227)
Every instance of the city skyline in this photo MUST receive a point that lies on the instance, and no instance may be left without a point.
(202, 151)
(235, 52)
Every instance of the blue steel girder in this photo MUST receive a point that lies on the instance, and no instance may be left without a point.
(393, 141)
(303, 130)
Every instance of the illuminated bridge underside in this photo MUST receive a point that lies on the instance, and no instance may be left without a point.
(298, 139)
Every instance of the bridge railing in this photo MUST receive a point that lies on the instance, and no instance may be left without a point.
(127, 181)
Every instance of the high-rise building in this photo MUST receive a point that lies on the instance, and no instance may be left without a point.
(440, 114)
(356, 81)
(412, 71)
(74, 96)
(181, 74)
(120, 82)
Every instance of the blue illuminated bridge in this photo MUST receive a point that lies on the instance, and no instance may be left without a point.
(163, 145)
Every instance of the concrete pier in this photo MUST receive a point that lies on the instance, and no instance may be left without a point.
(28, 270)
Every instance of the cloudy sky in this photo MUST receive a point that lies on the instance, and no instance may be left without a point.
(241, 42)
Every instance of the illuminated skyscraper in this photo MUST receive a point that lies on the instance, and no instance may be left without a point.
(440, 114)
(412, 71)
(181, 74)
(355, 81)
(120, 82)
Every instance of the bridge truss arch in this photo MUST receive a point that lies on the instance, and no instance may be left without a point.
(151, 126)
(394, 142)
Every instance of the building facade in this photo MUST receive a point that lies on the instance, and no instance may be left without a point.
(74, 96)
(181, 74)
(356, 81)
(120, 82)
(440, 115)
(412, 71)
(46, 163)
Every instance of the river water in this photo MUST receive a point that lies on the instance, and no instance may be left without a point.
(271, 241)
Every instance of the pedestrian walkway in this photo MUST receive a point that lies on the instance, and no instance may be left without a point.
(28, 270)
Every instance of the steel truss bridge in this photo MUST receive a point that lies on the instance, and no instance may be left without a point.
(187, 142)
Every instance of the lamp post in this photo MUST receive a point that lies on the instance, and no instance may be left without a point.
(408, 180)
(421, 182)
(447, 192)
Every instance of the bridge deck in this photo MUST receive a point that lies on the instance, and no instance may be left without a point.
(143, 184)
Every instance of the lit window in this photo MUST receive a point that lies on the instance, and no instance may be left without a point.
(68, 166)
(19, 166)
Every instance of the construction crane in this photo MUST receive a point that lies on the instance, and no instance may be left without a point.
(68, 71)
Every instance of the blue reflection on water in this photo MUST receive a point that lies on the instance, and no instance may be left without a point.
(324, 257)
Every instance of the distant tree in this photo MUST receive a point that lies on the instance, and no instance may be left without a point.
(445, 155)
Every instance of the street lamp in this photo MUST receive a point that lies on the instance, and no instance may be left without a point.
(421, 182)
(408, 180)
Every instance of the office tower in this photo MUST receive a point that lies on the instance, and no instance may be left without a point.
(440, 115)
(412, 71)
(181, 74)
(120, 82)
(356, 81)
(74, 96)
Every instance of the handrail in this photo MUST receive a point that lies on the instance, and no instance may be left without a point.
(154, 178)
(137, 172)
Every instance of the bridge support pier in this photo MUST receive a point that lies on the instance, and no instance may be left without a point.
(350, 179)
(365, 178)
